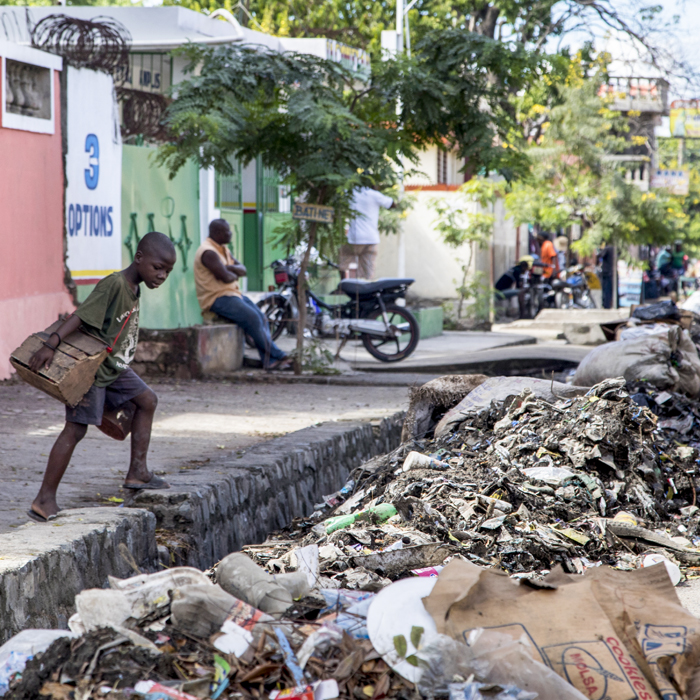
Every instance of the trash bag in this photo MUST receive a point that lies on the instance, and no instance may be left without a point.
(499, 389)
(428, 403)
(667, 362)
(662, 310)
(492, 657)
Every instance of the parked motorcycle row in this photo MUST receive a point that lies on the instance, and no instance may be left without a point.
(570, 290)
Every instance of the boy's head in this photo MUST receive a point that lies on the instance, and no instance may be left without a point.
(155, 258)
(220, 231)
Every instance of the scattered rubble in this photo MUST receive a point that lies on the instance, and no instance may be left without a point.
(524, 483)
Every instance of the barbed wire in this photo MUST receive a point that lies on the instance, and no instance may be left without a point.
(100, 44)
(142, 113)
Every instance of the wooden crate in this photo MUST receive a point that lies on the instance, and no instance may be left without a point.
(74, 365)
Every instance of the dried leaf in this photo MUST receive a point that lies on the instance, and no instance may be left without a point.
(400, 645)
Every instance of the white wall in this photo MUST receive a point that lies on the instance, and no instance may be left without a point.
(436, 267)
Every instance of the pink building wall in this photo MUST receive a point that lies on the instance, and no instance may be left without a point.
(32, 293)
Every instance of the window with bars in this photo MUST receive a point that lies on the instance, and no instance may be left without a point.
(442, 157)
(229, 188)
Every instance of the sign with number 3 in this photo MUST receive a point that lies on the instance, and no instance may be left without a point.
(93, 173)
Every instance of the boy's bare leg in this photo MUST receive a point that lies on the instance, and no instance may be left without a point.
(141, 425)
(59, 458)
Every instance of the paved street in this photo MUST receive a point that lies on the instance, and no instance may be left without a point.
(195, 422)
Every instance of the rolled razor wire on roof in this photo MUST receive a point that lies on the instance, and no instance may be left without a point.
(100, 44)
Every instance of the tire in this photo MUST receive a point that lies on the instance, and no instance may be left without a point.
(278, 312)
(405, 344)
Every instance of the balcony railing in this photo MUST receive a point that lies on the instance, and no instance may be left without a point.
(648, 95)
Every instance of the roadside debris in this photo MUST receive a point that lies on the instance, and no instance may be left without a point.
(658, 344)
(388, 588)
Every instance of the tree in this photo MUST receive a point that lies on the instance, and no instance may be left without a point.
(530, 23)
(327, 134)
(577, 177)
(467, 222)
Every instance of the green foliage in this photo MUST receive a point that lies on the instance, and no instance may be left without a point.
(390, 219)
(685, 209)
(574, 178)
(316, 358)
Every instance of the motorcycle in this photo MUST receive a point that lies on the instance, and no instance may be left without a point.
(572, 291)
(389, 332)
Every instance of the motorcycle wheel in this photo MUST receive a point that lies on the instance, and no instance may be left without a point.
(405, 343)
(278, 313)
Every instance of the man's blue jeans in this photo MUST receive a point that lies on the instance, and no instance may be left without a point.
(244, 313)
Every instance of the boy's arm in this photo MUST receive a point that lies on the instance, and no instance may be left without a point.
(44, 356)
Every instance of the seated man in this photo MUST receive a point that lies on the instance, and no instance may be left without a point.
(510, 284)
(216, 274)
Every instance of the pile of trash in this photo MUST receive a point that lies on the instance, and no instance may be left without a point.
(449, 567)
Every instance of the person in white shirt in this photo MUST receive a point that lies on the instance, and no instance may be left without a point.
(363, 232)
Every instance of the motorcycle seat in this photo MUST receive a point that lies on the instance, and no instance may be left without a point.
(361, 288)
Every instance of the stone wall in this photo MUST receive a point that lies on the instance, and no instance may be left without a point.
(44, 565)
(241, 499)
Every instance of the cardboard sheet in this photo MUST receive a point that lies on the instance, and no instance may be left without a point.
(614, 635)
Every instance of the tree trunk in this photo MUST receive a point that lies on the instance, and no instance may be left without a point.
(301, 296)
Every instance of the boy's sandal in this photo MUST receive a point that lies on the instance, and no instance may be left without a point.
(155, 483)
(38, 517)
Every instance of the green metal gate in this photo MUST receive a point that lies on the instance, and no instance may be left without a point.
(229, 199)
(273, 209)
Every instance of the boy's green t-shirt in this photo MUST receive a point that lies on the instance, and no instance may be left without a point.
(104, 312)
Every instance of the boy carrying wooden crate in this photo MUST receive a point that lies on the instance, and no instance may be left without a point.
(111, 312)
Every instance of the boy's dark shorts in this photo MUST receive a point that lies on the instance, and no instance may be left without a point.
(99, 399)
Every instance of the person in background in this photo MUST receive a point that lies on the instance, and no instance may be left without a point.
(363, 232)
(679, 260)
(606, 259)
(510, 284)
(548, 255)
(664, 261)
(216, 274)
(561, 245)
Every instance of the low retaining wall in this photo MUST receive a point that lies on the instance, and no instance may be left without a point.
(234, 502)
(44, 565)
(265, 488)
(190, 353)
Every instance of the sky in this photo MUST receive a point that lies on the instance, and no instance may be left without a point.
(680, 42)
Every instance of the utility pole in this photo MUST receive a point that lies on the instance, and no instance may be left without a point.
(401, 252)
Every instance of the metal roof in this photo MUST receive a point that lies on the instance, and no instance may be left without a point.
(151, 28)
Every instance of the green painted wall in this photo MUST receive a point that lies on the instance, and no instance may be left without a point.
(271, 251)
(251, 251)
(235, 221)
(151, 201)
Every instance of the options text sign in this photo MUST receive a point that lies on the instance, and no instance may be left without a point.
(94, 175)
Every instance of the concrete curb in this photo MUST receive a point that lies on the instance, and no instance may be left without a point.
(219, 511)
(233, 502)
(44, 565)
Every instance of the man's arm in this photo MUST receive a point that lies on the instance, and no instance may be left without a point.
(238, 268)
(44, 356)
(224, 273)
